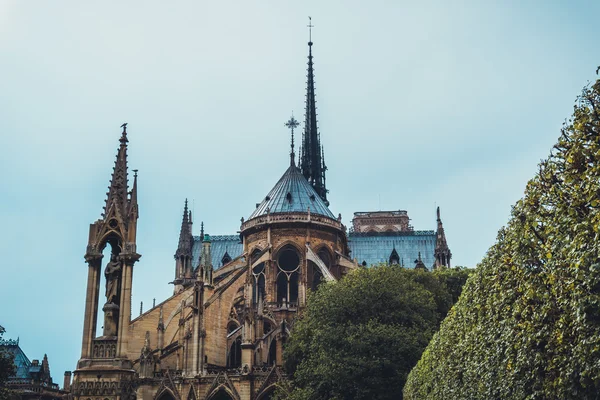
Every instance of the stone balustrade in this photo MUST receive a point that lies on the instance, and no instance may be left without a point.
(280, 218)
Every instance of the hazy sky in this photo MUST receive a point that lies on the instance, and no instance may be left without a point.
(420, 104)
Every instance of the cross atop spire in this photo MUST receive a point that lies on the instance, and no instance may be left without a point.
(310, 26)
(124, 134)
(291, 124)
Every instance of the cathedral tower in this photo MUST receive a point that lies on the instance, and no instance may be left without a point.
(293, 242)
(104, 368)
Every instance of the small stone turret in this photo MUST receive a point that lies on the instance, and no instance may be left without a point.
(442, 252)
(183, 255)
(419, 264)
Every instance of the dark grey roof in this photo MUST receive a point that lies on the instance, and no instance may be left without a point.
(376, 248)
(218, 246)
(292, 193)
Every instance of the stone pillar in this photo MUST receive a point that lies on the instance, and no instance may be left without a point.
(91, 303)
(197, 330)
(302, 280)
(248, 342)
(111, 315)
(279, 350)
(67, 381)
(125, 306)
(160, 332)
(247, 357)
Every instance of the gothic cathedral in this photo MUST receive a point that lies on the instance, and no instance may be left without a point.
(236, 297)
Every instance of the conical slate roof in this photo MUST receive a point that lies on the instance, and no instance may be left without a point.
(292, 193)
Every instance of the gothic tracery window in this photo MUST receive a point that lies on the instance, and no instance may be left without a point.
(288, 269)
(258, 274)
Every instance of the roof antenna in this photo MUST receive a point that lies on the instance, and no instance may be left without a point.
(291, 124)
(310, 26)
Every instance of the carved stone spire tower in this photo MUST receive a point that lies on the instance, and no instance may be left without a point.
(442, 253)
(183, 256)
(311, 158)
(116, 228)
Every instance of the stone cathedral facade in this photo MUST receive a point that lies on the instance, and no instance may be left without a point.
(221, 334)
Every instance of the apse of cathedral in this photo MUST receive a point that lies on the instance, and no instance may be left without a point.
(235, 297)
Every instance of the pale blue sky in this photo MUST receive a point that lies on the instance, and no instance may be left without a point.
(420, 103)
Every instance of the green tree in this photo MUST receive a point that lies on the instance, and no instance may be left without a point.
(527, 325)
(360, 337)
(7, 368)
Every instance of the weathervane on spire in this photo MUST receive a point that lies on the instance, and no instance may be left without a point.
(310, 26)
(291, 124)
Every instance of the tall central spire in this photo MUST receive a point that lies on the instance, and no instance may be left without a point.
(311, 163)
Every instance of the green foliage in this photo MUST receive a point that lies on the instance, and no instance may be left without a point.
(527, 325)
(7, 368)
(360, 337)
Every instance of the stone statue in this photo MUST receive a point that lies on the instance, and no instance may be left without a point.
(112, 273)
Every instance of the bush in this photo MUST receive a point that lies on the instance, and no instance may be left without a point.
(360, 337)
(527, 325)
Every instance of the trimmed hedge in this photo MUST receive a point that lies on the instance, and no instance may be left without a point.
(527, 325)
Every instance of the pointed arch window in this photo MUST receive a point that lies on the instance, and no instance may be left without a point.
(272, 357)
(259, 279)
(234, 358)
(315, 277)
(394, 257)
(325, 257)
(288, 270)
(226, 258)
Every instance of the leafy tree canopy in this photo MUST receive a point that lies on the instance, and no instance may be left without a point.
(360, 337)
(527, 325)
(7, 368)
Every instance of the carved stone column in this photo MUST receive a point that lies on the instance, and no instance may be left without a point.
(128, 259)
(94, 261)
